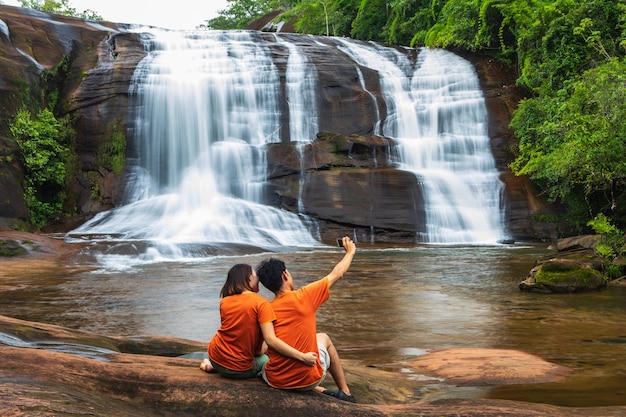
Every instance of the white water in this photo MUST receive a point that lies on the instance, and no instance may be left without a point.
(301, 82)
(452, 156)
(436, 111)
(207, 103)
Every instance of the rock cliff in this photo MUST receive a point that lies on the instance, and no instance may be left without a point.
(102, 58)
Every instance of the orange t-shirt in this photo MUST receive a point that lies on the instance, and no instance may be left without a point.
(296, 325)
(239, 336)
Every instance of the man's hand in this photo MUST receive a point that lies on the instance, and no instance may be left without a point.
(343, 265)
(348, 245)
(309, 358)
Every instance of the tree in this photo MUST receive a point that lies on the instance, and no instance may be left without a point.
(370, 20)
(61, 7)
(457, 26)
(408, 22)
(309, 17)
(239, 13)
(575, 140)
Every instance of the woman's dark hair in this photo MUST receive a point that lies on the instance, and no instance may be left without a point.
(237, 280)
(270, 273)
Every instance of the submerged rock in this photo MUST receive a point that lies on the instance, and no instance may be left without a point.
(475, 366)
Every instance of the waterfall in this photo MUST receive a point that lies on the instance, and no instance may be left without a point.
(452, 156)
(207, 103)
(436, 112)
(301, 81)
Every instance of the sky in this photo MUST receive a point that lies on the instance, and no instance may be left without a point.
(175, 14)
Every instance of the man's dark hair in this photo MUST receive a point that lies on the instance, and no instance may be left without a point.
(270, 273)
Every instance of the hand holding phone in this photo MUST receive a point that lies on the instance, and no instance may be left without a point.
(340, 242)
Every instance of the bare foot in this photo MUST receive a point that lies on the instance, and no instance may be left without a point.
(206, 366)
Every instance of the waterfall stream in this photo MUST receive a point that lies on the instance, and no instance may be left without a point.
(436, 112)
(208, 102)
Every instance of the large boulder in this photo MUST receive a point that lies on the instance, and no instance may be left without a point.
(575, 267)
(563, 276)
(475, 366)
(348, 183)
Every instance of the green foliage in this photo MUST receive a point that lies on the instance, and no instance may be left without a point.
(308, 17)
(44, 147)
(239, 13)
(61, 7)
(611, 246)
(564, 38)
(575, 139)
(613, 239)
(370, 20)
(456, 26)
(112, 153)
(601, 225)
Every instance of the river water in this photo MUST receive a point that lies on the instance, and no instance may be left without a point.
(393, 305)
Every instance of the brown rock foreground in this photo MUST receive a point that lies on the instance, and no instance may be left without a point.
(145, 377)
(141, 377)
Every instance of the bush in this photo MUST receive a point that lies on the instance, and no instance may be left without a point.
(44, 149)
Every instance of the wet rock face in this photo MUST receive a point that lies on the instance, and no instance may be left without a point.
(93, 86)
(350, 181)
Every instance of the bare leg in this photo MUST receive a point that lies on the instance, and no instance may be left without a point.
(335, 368)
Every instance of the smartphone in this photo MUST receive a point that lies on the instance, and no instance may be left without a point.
(340, 242)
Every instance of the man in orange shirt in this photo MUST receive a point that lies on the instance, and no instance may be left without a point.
(296, 325)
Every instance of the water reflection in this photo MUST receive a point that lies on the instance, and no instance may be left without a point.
(393, 304)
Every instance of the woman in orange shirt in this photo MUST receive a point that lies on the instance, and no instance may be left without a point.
(247, 319)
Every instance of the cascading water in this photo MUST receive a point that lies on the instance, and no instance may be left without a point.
(208, 102)
(436, 111)
(452, 157)
(301, 81)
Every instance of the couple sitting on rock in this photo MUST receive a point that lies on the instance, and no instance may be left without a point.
(296, 356)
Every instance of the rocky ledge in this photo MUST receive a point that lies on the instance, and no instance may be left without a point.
(145, 377)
